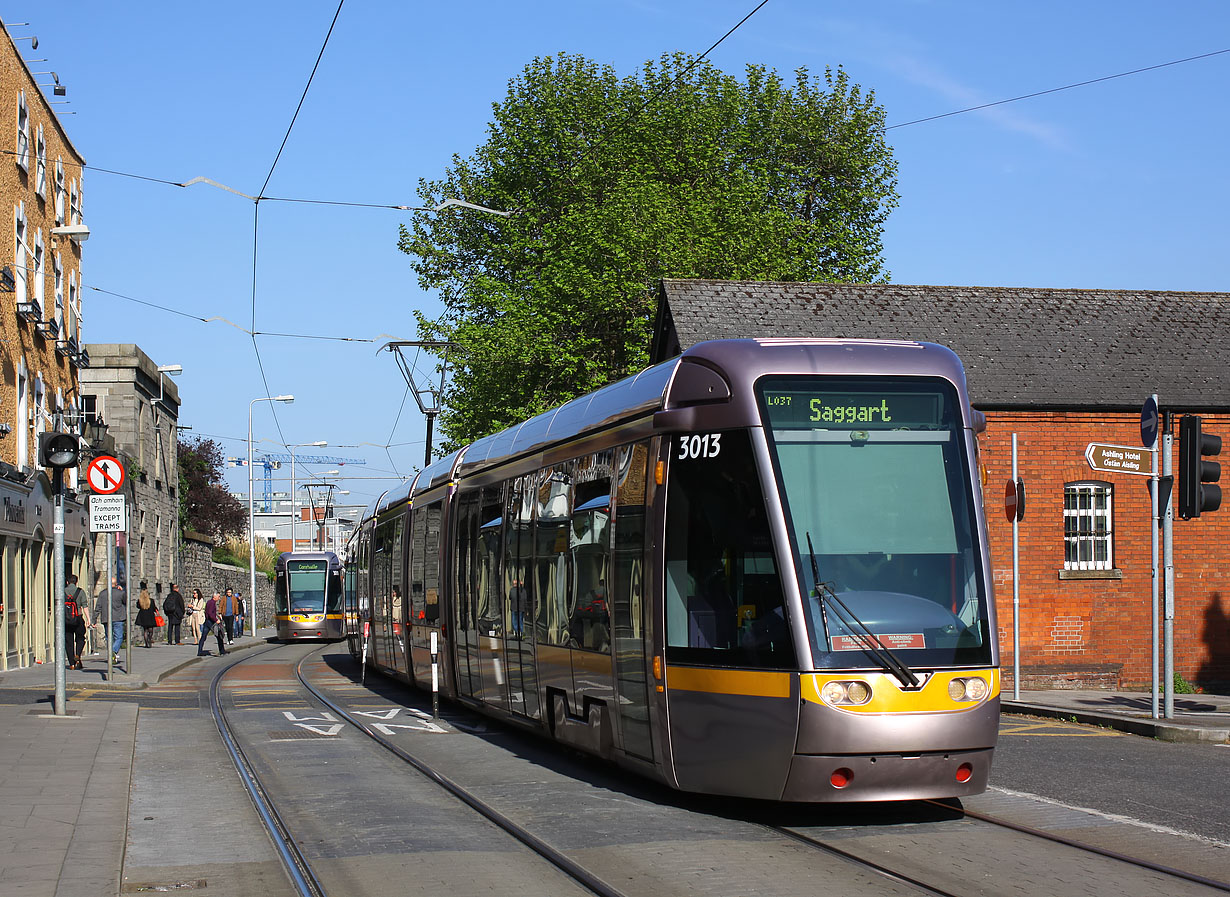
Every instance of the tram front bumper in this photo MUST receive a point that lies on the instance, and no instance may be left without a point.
(844, 778)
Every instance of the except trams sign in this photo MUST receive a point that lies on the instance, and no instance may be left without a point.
(106, 514)
(1119, 459)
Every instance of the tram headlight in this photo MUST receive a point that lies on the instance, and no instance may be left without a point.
(969, 688)
(845, 694)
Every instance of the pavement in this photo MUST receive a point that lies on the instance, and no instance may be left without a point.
(67, 780)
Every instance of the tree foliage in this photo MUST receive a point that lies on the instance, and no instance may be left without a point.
(205, 505)
(680, 170)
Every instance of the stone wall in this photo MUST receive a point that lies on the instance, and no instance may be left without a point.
(200, 572)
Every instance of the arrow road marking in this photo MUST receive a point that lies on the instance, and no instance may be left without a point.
(325, 717)
(388, 728)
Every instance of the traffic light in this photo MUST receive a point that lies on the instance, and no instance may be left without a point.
(1197, 477)
(58, 450)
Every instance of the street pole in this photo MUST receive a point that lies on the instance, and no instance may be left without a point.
(128, 580)
(61, 696)
(110, 622)
(1154, 613)
(293, 515)
(1168, 560)
(252, 509)
(1016, 590)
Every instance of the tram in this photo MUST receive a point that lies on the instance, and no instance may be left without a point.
(308, 601)
(758, 569)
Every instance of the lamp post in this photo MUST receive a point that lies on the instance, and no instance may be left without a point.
(252, 509)
(293, 493)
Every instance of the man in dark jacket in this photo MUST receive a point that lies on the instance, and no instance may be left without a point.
(213, 622)
(173, 607)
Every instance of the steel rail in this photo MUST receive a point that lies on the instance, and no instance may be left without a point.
(558, 859)
(1088, 848)
(300, 872)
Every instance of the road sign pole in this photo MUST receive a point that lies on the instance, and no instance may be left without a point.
(1168, 561)
(1016, 591)
(1153, 517)
(110, 622)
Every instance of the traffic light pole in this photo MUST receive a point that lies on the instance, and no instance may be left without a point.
(61, 696)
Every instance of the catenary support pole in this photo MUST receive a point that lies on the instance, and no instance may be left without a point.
(1168, 560)
(1153, 517)
(1016, 589)
(61, 695)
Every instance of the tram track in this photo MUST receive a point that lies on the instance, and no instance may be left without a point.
(942, 856)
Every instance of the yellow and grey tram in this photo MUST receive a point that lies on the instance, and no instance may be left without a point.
(758, 569)
(308, 601)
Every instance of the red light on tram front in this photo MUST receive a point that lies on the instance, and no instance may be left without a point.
(841, 777)
(965, 772)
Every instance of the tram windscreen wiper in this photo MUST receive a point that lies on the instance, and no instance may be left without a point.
(885, 657)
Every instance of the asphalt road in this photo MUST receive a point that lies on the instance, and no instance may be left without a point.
(1177, 786)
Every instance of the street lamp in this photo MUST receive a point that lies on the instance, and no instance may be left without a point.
(252, 510)
(293, 494)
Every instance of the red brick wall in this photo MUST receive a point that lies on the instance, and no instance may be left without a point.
(1086, 622)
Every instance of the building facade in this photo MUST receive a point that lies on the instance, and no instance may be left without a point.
(41, 352)
(1059, 369)
(139, 403)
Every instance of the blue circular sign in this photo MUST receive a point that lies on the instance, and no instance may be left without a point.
(1148, 423)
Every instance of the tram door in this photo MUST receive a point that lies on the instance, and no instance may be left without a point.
(731, 693)
(518, 598)
(469, 679)
(488, 598)
(628, 600)
(425, 595)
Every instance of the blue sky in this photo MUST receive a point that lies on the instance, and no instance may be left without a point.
(1120, 184)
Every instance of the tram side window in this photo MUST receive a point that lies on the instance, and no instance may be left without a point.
(490, 547)
(552, 581)
(431, 562)
(589, 623)
(723, 593)
(418, 602)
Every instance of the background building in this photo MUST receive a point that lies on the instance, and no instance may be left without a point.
(1060, 369)
(41, 230)
(139, 404)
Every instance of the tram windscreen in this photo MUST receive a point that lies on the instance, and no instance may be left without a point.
(306, 582)
(875, 474)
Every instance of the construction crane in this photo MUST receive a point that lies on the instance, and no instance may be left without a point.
(271, 461)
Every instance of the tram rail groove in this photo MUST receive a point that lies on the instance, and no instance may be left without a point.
(561, 861)
(1088, 848)
(302, 877)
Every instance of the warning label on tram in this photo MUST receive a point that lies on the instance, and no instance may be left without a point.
(893, 641)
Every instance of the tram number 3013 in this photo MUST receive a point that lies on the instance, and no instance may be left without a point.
(707, 445)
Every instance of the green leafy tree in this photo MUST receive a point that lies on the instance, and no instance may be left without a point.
(205, 505)
(680, 170)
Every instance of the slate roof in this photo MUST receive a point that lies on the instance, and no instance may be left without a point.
(1022, 347)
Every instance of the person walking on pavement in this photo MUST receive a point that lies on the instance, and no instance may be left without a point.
(117, 600)
(212, 623)
(196, 614)
(240, 608)
(173, 607)
(76, 620)
(147, 615)
(228, 609)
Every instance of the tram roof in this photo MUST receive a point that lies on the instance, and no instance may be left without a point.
(1021, 347)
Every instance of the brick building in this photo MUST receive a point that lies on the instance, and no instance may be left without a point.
(1060, 369)
(41, 230)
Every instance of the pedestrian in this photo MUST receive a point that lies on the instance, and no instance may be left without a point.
(227, 609)
(174, 608)
(76, 619)
(196, 614)
(240, 608)
(114, 601)
(147, 615)
(214, 623)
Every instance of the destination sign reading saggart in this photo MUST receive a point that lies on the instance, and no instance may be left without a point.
(865, 411)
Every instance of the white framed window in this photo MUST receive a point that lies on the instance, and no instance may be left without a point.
(23, 409)
(40, 163)
(74, 203)
(74, 308)
(40, 273)
(1088, 526)
(59, 189)
(20, 274)
(40, 408)
(23, 132)
(57, 268)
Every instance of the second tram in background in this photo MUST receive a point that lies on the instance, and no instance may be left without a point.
(757, 569)
(308, 595)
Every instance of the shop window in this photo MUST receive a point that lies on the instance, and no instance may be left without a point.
(1088, 526)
